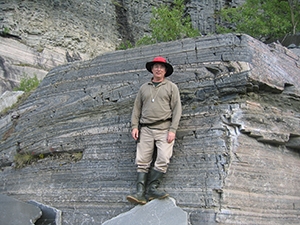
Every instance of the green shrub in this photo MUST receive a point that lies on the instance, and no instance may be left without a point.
(77, 156)
(5, 30)
(124, 45)
(28, 84)
(261, 19)
(21, 160)
(169, 24)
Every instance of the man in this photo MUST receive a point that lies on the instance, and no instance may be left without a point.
(155, 118)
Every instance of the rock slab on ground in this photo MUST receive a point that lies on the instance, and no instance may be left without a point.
(164, 212)
(15, 212)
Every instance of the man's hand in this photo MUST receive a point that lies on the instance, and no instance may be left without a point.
(171, 137)
(135, 133)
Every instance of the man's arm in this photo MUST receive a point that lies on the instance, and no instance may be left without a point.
(176, 109)
(135, 117)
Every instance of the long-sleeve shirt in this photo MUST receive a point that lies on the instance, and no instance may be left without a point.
(155, 104)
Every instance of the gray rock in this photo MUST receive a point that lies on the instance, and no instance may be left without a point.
(236, 157)
(15, 212)
(164, 212)
(296, 51)
(8, 98)
(50, 215)
(18, 61)
(94, 27)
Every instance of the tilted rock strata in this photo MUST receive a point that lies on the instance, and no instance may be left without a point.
(40, 35)
(18, 61)
(234, 159)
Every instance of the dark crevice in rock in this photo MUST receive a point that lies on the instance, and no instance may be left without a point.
(214, 70)
(50, 215)
(267, 88)
(8, 35)
(2, 66)
(123, 26)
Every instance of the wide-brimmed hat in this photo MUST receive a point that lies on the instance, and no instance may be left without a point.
(160, 59)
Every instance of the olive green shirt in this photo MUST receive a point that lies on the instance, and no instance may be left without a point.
(155, 104)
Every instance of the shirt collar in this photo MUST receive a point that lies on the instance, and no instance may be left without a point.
(161, 83)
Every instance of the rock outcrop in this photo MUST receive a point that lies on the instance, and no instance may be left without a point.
(236, 157)
(8, 98)
(93, 27)
(18, 61)
(37, 34)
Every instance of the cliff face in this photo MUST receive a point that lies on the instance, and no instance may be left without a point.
(93, 27)
(71, 30)
(87, 27)
(18, 61)
(236, 157)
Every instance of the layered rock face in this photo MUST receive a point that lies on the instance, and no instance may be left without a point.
(39, 35)
(51, 33)
(18, 61)
(236, 158)
(71, 25)
(93, 27)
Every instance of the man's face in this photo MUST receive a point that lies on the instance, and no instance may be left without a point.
(159, 71)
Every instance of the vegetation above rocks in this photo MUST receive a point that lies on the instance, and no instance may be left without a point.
(168, 23)
(28, 84)
(261, 19)
(22, 160)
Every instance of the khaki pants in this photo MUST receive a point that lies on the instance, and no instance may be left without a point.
(145, 148)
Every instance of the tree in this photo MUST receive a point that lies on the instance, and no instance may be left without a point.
(295, 14)
(262, 19)
(168, 24)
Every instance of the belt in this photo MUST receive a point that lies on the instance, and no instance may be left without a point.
(155, 123)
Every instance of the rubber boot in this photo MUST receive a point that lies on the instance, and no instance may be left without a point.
(154, 181)
(139, 196)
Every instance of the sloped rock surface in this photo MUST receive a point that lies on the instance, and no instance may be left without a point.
(235, 159)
